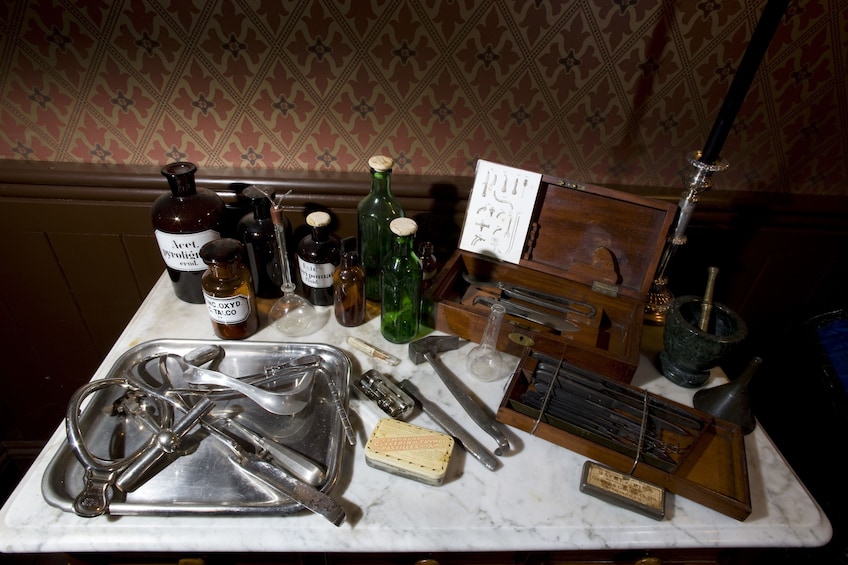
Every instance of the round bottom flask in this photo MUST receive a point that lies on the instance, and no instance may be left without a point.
(484, 361)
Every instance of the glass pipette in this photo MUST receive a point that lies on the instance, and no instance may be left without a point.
(291, 314)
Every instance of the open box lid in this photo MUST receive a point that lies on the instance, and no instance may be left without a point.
(604, 238)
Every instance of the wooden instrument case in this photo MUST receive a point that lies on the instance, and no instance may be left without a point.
(587, 243)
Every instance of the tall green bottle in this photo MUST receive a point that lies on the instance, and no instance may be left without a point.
(400, 309)
(374, 214)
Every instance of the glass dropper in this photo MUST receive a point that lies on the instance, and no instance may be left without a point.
(291, 314)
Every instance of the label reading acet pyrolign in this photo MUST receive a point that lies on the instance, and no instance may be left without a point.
(181, 251)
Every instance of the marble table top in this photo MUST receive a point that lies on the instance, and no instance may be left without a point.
(531, 501)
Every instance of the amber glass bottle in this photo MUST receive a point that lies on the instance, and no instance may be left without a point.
(256, 231)
(183, 221)
(349, 290)
(228, 290)
(428, 264)
(318, 254)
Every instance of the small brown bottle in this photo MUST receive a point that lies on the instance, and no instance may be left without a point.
(428, 264)
(349, 290)
(228, 290)
(317, 257)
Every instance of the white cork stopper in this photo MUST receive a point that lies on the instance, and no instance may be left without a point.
(318, 219)
(381, 163)
(403, 226)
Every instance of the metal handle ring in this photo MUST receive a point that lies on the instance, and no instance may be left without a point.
(74, 433)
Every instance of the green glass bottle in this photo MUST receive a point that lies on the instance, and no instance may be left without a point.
(400, 309)
(374, 214)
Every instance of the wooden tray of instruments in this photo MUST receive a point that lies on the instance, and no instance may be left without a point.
(699, 457)
(585, 243)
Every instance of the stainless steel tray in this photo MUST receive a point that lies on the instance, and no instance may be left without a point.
(206, 480)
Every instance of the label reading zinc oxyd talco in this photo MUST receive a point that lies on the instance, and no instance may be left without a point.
(228, 311)
(316, 275)
(181, 251)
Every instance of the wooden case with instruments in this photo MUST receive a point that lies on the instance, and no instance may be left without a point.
(686, 451)
(595, 246)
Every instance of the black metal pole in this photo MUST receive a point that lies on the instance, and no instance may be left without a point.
(760, 40)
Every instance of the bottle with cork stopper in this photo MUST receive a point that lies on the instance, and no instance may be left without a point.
(400, 308)
(318, 255)
(374, 214)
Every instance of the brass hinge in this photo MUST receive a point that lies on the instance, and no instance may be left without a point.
(571, 184)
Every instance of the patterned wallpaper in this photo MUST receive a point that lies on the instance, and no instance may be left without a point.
(607, 91)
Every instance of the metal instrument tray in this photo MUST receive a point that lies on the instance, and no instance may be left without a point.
(207, 481)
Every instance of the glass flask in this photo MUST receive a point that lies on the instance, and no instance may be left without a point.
(400, 307)
(256, 231)
(374, 214)
(228, 290)
(317, 257)
(184, 220)
(291, 314)
(484, 361)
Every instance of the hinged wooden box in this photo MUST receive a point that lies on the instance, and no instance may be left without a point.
(588, 244)
(686, 451)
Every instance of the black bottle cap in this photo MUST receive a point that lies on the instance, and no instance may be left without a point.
(178, 168)
(224, 250)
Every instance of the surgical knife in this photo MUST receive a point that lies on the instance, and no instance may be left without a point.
(281, 480)
(451, 426)
(530, 314)
(536, 297)
(291, 460)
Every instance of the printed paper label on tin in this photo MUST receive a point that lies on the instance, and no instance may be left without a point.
(625, 486)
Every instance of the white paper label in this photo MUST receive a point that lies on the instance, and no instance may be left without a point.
(181, 251)
(228, 311)
(316, 275)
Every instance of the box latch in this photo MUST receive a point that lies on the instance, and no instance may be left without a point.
(605, 288)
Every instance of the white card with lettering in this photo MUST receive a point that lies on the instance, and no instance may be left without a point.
(499, 211)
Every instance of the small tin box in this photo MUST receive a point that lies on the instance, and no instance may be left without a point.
(409, 451)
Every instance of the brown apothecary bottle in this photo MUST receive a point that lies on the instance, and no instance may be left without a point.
(184, 220)
(318, 255)
(349, 290)
(228, 290)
